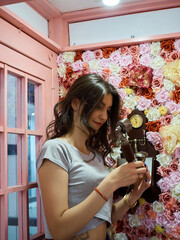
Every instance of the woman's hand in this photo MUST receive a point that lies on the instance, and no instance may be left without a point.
(128, 173)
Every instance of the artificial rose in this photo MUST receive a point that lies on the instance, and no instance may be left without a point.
(114, 80)
(77, 66)
(122, 93)
(115, 57)
(158, 207)
(162, 96)
(172, 71)
(140, 76)
(164, 54)
(163, 110)
(177, 44)
(158, 229)
(164, 171)
(156, 139)
(151, 214)
(155, 103)
(114, 69)
(94, 65)
(143, 103)
(69, 71)
(130, 102)
(129, 90)
(168, 85)
(146, 92)
(135, 59)
(175, 191)
(166, 120)
(169, 214)
(120, 236)
(104, 63)
(133, 220)
(177, 152)
(61, 70)
(124, 83)
(174, 165)
(153, 114)
(88, 56)
(98, 54)
(144, 48)
(141, 231)
(155, 48)
(107, 51)
(157, 62)
(173, 56)
(78, 56)
(125, 60)
(168, 45)
(176, 95)
(154, 238)
(85, 68)
(153, 126)
(145, 60)
(59, 59)
(68, 57)
(157, 82)
(134, 50)
(171, 106)
(124, 50)
(124, 72)
(165, 197)
(164, 159)
(124, 112)
(158, 72)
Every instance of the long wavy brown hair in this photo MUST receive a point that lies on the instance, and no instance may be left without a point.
(89, 90)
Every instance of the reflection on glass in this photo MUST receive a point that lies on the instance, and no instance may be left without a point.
(12, 216)
(12, 101)
(31, 159)
(32, 211)
(12, 159)
(31, 106)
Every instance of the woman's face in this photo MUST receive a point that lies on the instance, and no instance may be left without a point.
(100, 115)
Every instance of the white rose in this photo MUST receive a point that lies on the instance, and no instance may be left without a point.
(130, 102)
(116, 153)
(115, 69)
(154, 238)
(134, 220)
(164, 159)
(157, 62)
(61, 70)
(153, 114)
(120, 236)
(68, 57)
(155, 48)
(158, 207)
(94, 65)
(169, 85)
(176, 121)
(176, 192)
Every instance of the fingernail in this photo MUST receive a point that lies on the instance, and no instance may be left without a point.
(145, 180)
(146, 170)
(145, 165)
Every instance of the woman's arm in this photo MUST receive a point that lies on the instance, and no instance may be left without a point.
(54, 189)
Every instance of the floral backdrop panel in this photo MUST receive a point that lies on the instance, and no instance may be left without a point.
(147, 77)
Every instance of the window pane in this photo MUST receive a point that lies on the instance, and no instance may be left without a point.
(31, 106)
(12, 159)
(11, 101)
(32, 212)
(12, 216)
(31, 159)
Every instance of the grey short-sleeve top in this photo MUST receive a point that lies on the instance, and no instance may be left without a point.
(84, 175)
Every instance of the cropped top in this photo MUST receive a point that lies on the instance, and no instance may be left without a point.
(84, 174)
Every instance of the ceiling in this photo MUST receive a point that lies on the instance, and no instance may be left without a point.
(75, 5)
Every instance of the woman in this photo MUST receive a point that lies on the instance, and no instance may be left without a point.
(75, 186)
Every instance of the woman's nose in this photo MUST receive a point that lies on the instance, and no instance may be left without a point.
(104, 115)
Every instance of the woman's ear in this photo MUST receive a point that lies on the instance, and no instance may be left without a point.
(75, 104)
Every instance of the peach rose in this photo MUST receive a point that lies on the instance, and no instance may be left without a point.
(176, 95)
(78, 56)
(107, 51)
(153, 126)
(168, 45)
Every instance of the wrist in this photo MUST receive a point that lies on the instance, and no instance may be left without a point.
(128, 201)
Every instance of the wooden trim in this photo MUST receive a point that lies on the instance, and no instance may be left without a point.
(7, 2)
(118, 43)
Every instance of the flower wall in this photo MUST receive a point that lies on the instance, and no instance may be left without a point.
(147, 77)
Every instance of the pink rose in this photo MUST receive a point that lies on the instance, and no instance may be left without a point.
(114, 80)
(104, 63)
(134, 50)
(169, 214)
(174, 55)
(158, 73)
(98, 54)
(88, 56)
(125, 60)
(164, 171)
(124, 50)
(144, 48)
(122, 93)
(174, 165)
(143, 103)
(141, 231)
(145, 60)
(161, 220)
(177, 153)
(149, 223)
(155, 103)
(165, 197)
(157, 82)
(59, 59)
(162, 96)
(124, 72)
(115, 57)
(175, 178)
(165, 120)
(135, 59)
(156, 139)
(171, 106)
(164, 184)
(177, 217)
(77, 66)
(177, 44)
